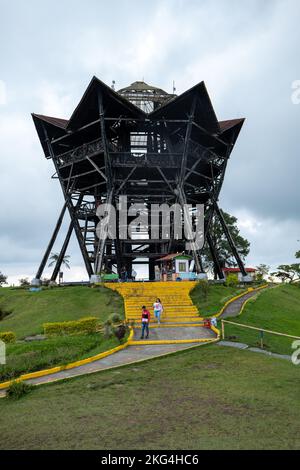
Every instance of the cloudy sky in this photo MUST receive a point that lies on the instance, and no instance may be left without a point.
(246, 52)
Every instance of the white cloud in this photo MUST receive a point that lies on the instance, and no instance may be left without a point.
(248, 222)
(18, 270)
(54, 100)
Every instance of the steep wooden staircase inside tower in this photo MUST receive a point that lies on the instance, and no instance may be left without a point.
(177, 304)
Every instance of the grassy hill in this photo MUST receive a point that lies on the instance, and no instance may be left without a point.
(216, 297)
(30, 310)
(276, 309)
(210, 397)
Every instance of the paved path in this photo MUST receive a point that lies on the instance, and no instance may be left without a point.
(245, 346)
(181, 333)
(234, 308)
(125, 356)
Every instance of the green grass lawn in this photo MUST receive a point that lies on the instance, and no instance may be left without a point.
(276, 309)
(30, 309)
(29, 312)
(218, 294)
(210, 397)
(29, 357)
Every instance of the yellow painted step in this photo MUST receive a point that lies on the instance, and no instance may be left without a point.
(178, 306)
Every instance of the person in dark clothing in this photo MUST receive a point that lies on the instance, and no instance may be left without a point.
(145, 322)
(123, 274)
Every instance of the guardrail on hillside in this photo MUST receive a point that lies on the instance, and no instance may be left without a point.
(261, 331)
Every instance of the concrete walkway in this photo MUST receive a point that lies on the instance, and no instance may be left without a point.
(234, 308)
(236, 345)
(180, 333)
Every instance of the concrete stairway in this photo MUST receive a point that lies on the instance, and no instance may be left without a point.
(177, 304)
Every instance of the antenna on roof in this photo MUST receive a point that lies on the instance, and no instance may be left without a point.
(113, 84)
(174, 88)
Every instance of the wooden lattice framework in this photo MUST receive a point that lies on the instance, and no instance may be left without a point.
(148, 145)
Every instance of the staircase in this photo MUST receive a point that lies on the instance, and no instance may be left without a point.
(177, 304)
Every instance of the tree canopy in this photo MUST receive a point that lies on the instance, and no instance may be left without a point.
(220, 242)
(3, 279)
(288, 272)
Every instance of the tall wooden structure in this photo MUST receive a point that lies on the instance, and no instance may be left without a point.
(146, 144)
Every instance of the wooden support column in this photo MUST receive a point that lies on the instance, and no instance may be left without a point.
(230, 239)
(183, 202)
(102, 240)
(109, 182)
(187, 142)
(51, 242)
(107, 162)
(62, 253)
(216, 262)
(65, 245)
(180, 186)
(71, 209)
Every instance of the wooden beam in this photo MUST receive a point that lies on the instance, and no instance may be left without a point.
(187, 142)
(70, 208)
(51, 242)
(97, 168)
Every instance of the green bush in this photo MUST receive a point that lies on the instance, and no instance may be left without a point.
(115, 318)
(231, 280)
(8, 337)
(108, 331)
(204, 288)
(120, 332)
(84, 325)
(17, 390)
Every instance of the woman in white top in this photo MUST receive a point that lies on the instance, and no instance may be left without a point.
(158, 309)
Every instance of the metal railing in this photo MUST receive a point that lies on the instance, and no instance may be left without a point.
(144, 159)
(261, 331)
(79, 153)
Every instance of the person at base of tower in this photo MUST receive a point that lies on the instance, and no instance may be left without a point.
(158, 309)
(145, 322)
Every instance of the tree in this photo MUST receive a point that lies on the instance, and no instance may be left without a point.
(222, 247)
(288, 272)
(24, 282)
(261, 271)
(65, 261)
(3, 279)
(231, 280)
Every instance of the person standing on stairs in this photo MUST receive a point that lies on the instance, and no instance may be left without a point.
(145, 322)
(158, 309)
